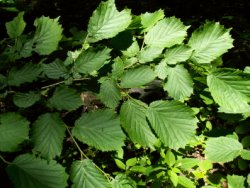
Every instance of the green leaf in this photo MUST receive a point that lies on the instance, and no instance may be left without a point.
(222, 149)
(91, 60)
(110, 94)
(3, 81)
(187, 163)
(48, 134)
(148, 20)
(248, 179)
(246, 141)
(166, 33)
(47, 36)
(149, 53)
(65, 98)
(26, 74)
(177, 54)
(173, 122)
(179, 84)
(26, 171)
(173, 177)
(134, 122)
(245, 154)
(55, 70)
(123, 181)
(133, 50)
(210, 42)
(16, 27)
(247, 70)
(106, 21)
(84, 174)
(25, 100)
(161, 70)
(230, 89)
(235, 181)
(170, 158)
(100, 129)
(117, 68)
(185, 182)
(137, 77)
(14, 129)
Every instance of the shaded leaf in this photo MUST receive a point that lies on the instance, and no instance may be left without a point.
(16, 27)
(55, 70)
(24, 100)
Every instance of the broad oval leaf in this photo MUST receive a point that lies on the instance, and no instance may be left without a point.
(123, 181)
(179, 84)
(16, 27)
(137, 77)
(84, 174)
(14, 129)
(149, 53)
(223, 149)
(173, 122)
(48, 134)
(27, 171)
(230, 89)
(55, 70)
(148, 20)
(106, 21)
(65, 98)
(100, 129)
(25, 100)
(209, 42)
(161, 70)
(235, 181)
(132, 50)
(166, 33)
(134, 122)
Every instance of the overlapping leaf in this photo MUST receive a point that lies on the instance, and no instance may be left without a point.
(16, 27)
(173, 122)
(100, 129)
(123, 181)
(230, 89)
(161, 70)
(55, 69)
(133, 120)
(106, 21)
(166, 33)
(148, 20)
(14, 129)
(209, 42)
(26, 171)
(24, 100)
(235, 181)
(149, 54)
(84, 174)
(132, 50)
(48, 134)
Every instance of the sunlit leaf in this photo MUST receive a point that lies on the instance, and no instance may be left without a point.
(16, 27)
(148, 20)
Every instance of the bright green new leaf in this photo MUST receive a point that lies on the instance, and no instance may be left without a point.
(137, 77)
(16, 27)
(91, 60)
(223, 149)
(173, 122)
(122, 181)
(14, 129)
(186, 182)
(47, 36)
(149, 53)
(148, 20)
(245, 154)
(166, 33)
(133, 50)
(247, 70)
(134, 122)
(110, 94)
(100, 129)
(25, 100)
(27, 171)
(55, 70)
(48, 134)
(26, 74)
(65, 98)
(235, 181)
(248, 179)
(117, 68)
(209, 42)
(84, 174)
(179, 84)
(177, 54)
(161, 70)
(106, 21)
(230, 89)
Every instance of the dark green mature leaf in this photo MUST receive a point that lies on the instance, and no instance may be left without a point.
(173, 122)
(110, 94)
(106, 22)
(133, 120)
(84, 174)
(3, 81)
(65, 98)
(26, 171)
(26, 74)
(230, 89)
(91, 60)
(25, 100)
(16, 27)
(100, 129)
(179, 84)
(166, 33)
(210, 42)
(235, 181)
(137, 77)
(14, 129)
(222, 149)
(47, 36)
(48, 134)
(123, 181)
(55, 69)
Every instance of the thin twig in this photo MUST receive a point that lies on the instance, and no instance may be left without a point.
(7, 162)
